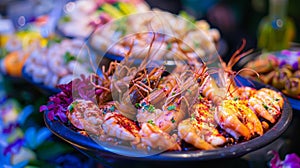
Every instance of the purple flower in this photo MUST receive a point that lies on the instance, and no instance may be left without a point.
(57, 105)
(286, 52)
(10, 128)
(14, 147)
(290, 161)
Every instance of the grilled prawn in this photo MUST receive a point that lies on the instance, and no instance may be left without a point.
(155, 138)
(85, 115)
(267, 104)
(200, 130)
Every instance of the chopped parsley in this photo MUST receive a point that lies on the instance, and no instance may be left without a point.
(277, 99)
(112, 108)
(68, 57)
(169, 46)
(138, 105)
(150, 108)
(151, 122)
(172, 120)
(196, 44)
(71, 108)
(200, 97)
(172, 107)
(265, 106)
(173, 93)
(193, 117)
(236, 98)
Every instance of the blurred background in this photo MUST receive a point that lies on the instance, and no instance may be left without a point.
(235, 19)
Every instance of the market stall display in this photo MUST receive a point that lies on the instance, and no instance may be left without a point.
(54, 65)
(81, 17)
(17, 48)
(192, 37)
(279, 69)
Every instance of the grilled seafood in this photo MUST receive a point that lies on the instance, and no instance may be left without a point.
(144, 82)
(267, 104)
(227, 116)
(200, 130)
(102, 84)
(165, 118)
(116, 125)
(154, 137)
(190, 134)
(227, 83)
(177, 96)
(203, 114)
(85, 115)
(140, 86)
(207, 127)
(248, 117)
(160, 111)
(243, 93)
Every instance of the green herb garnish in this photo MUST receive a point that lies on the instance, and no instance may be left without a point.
(68, 57)
(172, 107)
(193, 117)
(200, 97)
(172, 120)
(169, 46)
(112, 108)
(196, 44)
(265, 106)
(138, 105)
(71, 107)
(150, 108)
(236, 98)
(151, 122)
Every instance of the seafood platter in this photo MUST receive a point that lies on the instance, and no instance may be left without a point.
(150, 112)
(281, 70)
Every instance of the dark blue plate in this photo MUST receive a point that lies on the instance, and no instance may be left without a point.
(92, 149)
(295, 103)
(45, 89)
